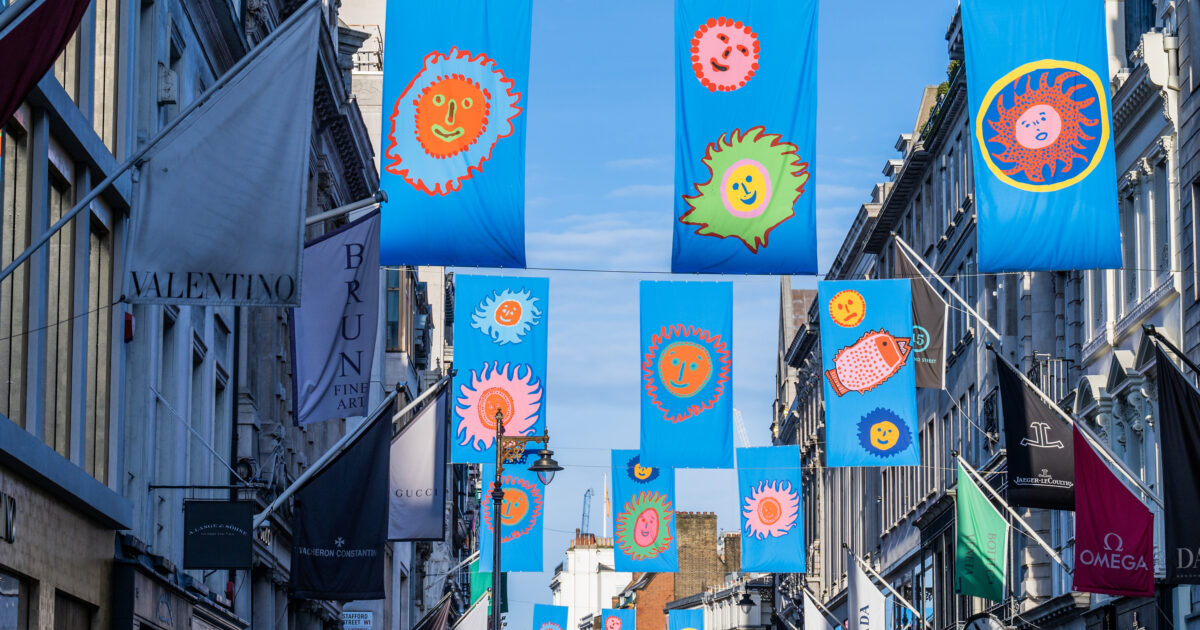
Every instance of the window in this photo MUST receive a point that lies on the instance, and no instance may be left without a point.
(15, 202)
(105, 71)
(393, 310)
(14, 602)
(1162, 221)
(1139, 18)
(59, 322)
(1096, 300)
(1129, 259)
(71, 613)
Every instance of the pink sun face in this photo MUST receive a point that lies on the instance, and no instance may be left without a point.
(510, 391)
(645, 530)
(771, 509)
(724, 54)
(612, 623)
(1038, 127)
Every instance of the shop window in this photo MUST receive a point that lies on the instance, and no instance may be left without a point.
(71, 613)
(14, 602)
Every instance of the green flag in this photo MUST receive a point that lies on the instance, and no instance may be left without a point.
(982, 543)
(481, 581)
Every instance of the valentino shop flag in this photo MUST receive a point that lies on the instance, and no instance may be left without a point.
(1041, 469)
(417, 477)
(218, 219)
(29, 44)
(333, 334)
(982, 545)
(1179, 417)
(1114, 531)
(929, 325)
(866, 607)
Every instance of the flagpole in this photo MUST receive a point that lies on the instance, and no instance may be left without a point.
(917, 260)
(979, 481)
(1100, 448)
(287, 24)
(903, 602)
(813, 598)
(374, 200)
(12, 12)
(1157, 336)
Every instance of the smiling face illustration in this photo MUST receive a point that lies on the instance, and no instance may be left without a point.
(514, 507)
(746, 188)
(612, 623)
(724, 54)
(685, 368)
(508, 313)
(847, 308)
(884, 435)
(451, 115)
(1038, 127)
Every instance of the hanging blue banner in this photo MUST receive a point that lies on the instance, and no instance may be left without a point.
(521, 517)
(618, 619)
(685, 619)
(870, 382)
(772, 509)
(687, 374)
(546, 617)
(500, 355)
(455, 96)
(644, 533)
(745, 136)
(1045, 172)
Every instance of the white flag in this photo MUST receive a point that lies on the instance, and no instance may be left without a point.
(418, 476)
(219, 217)
(866, 604)
(813, 618)
(476, 618)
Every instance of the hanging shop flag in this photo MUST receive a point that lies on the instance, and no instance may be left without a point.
(745, 136)
(333, 334)
(929, 325)
(687, 374)
(218, 216)
(1041, 460)
(521, 516)
(546, 617)
(417, 476)
(692, 619)
(866, 605)
(1179, 419)
(644, 515)
(618, 619)
(455, 94)
(870, 389)
(218, 534)
(36, 36)
(769, 484)
(340, 522)
(1114, 531)
(813, 618)
(1045, 174)
(481, 584)
(476, 617)
(982, 545)
(500, 355)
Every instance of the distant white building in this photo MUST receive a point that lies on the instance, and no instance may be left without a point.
(586, 582)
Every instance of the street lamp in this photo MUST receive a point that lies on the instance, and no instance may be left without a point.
(511, 449)
(746, 604)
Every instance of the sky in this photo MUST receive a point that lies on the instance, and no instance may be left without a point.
(599, 180)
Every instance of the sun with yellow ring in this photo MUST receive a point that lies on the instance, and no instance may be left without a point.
(848, 308)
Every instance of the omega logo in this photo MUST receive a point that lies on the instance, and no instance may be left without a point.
(1113, 556)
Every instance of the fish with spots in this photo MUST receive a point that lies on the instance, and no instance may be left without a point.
(874, 358)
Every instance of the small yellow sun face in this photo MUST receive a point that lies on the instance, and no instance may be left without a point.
(848, 308)
(884, 435)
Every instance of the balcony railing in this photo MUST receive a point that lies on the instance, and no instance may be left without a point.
(1051, 374)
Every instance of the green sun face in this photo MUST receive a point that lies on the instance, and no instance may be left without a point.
(754, 180)
(644, 527)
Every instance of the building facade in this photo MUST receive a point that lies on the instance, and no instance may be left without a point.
(586, 581)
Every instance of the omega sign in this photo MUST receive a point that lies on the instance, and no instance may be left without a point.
(1113, 556)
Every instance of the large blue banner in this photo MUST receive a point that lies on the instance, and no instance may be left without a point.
(455, 99)
(546, 617)
(687, 374)
(643, 515)
(1045, 174)
(769, 483)
(870, 383)
(685, 619)
(745, 136)
(500, 355)
(618, 619)
(521, 515)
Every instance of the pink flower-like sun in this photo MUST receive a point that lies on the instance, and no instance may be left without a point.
(511, 389)
(771, 509)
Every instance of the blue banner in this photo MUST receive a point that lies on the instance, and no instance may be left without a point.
(687, 374)
(745, 136)
(644, 533)
(1045, 172)
(870, 383)
(772, 509)
(521, 517)
(546, 617)
(619, 619)
(500, 355)
(685, 619)
(455, 95)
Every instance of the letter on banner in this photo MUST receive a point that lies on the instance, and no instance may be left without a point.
(417, 476)
(692, 619)
(546, 617)
(618, 619)
(745, 136)
(521, 517)
(687, 374)
(1045, 174)
(455, 91)
(500, 355)
(772, 510)
(867, 606)
(870, 385)
(643, 514)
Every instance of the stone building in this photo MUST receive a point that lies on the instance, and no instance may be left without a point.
(1077, 334)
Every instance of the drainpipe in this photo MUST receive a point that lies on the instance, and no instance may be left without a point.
(1171, 45)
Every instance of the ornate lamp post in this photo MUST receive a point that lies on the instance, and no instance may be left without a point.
(511, 449)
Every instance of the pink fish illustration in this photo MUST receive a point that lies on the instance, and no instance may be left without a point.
(871, 360)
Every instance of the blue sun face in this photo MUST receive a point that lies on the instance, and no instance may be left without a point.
(506, 316)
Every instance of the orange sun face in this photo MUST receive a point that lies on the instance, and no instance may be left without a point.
(451, 115)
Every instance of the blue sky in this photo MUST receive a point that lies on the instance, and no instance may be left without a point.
(598, 195)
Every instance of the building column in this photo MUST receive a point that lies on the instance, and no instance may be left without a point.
(263, 604)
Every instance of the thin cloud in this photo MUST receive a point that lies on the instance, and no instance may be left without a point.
(641, 190)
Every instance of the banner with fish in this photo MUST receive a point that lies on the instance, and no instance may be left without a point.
(644, 533)
(455, 93)
(687, 374)
(521, 516)
(1045, 172)
(745, 136)
(500, 354)
(772, 510)
(870, 384)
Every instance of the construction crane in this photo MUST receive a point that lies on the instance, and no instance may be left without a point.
(743, 438)
(587, 512)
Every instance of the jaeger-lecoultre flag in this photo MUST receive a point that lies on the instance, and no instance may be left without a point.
(687, 374)
(1041, 460)
(417, 476)
(455, 99)
(500, 354)
(644, 531)
(1045, 174)
(745, 136)
(769, 483)
(870, 387)
(1179, 419)
(522, 513)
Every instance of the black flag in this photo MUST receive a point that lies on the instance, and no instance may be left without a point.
(341, 522)
(929, 326)
(1041, 454)
(1179, 419)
